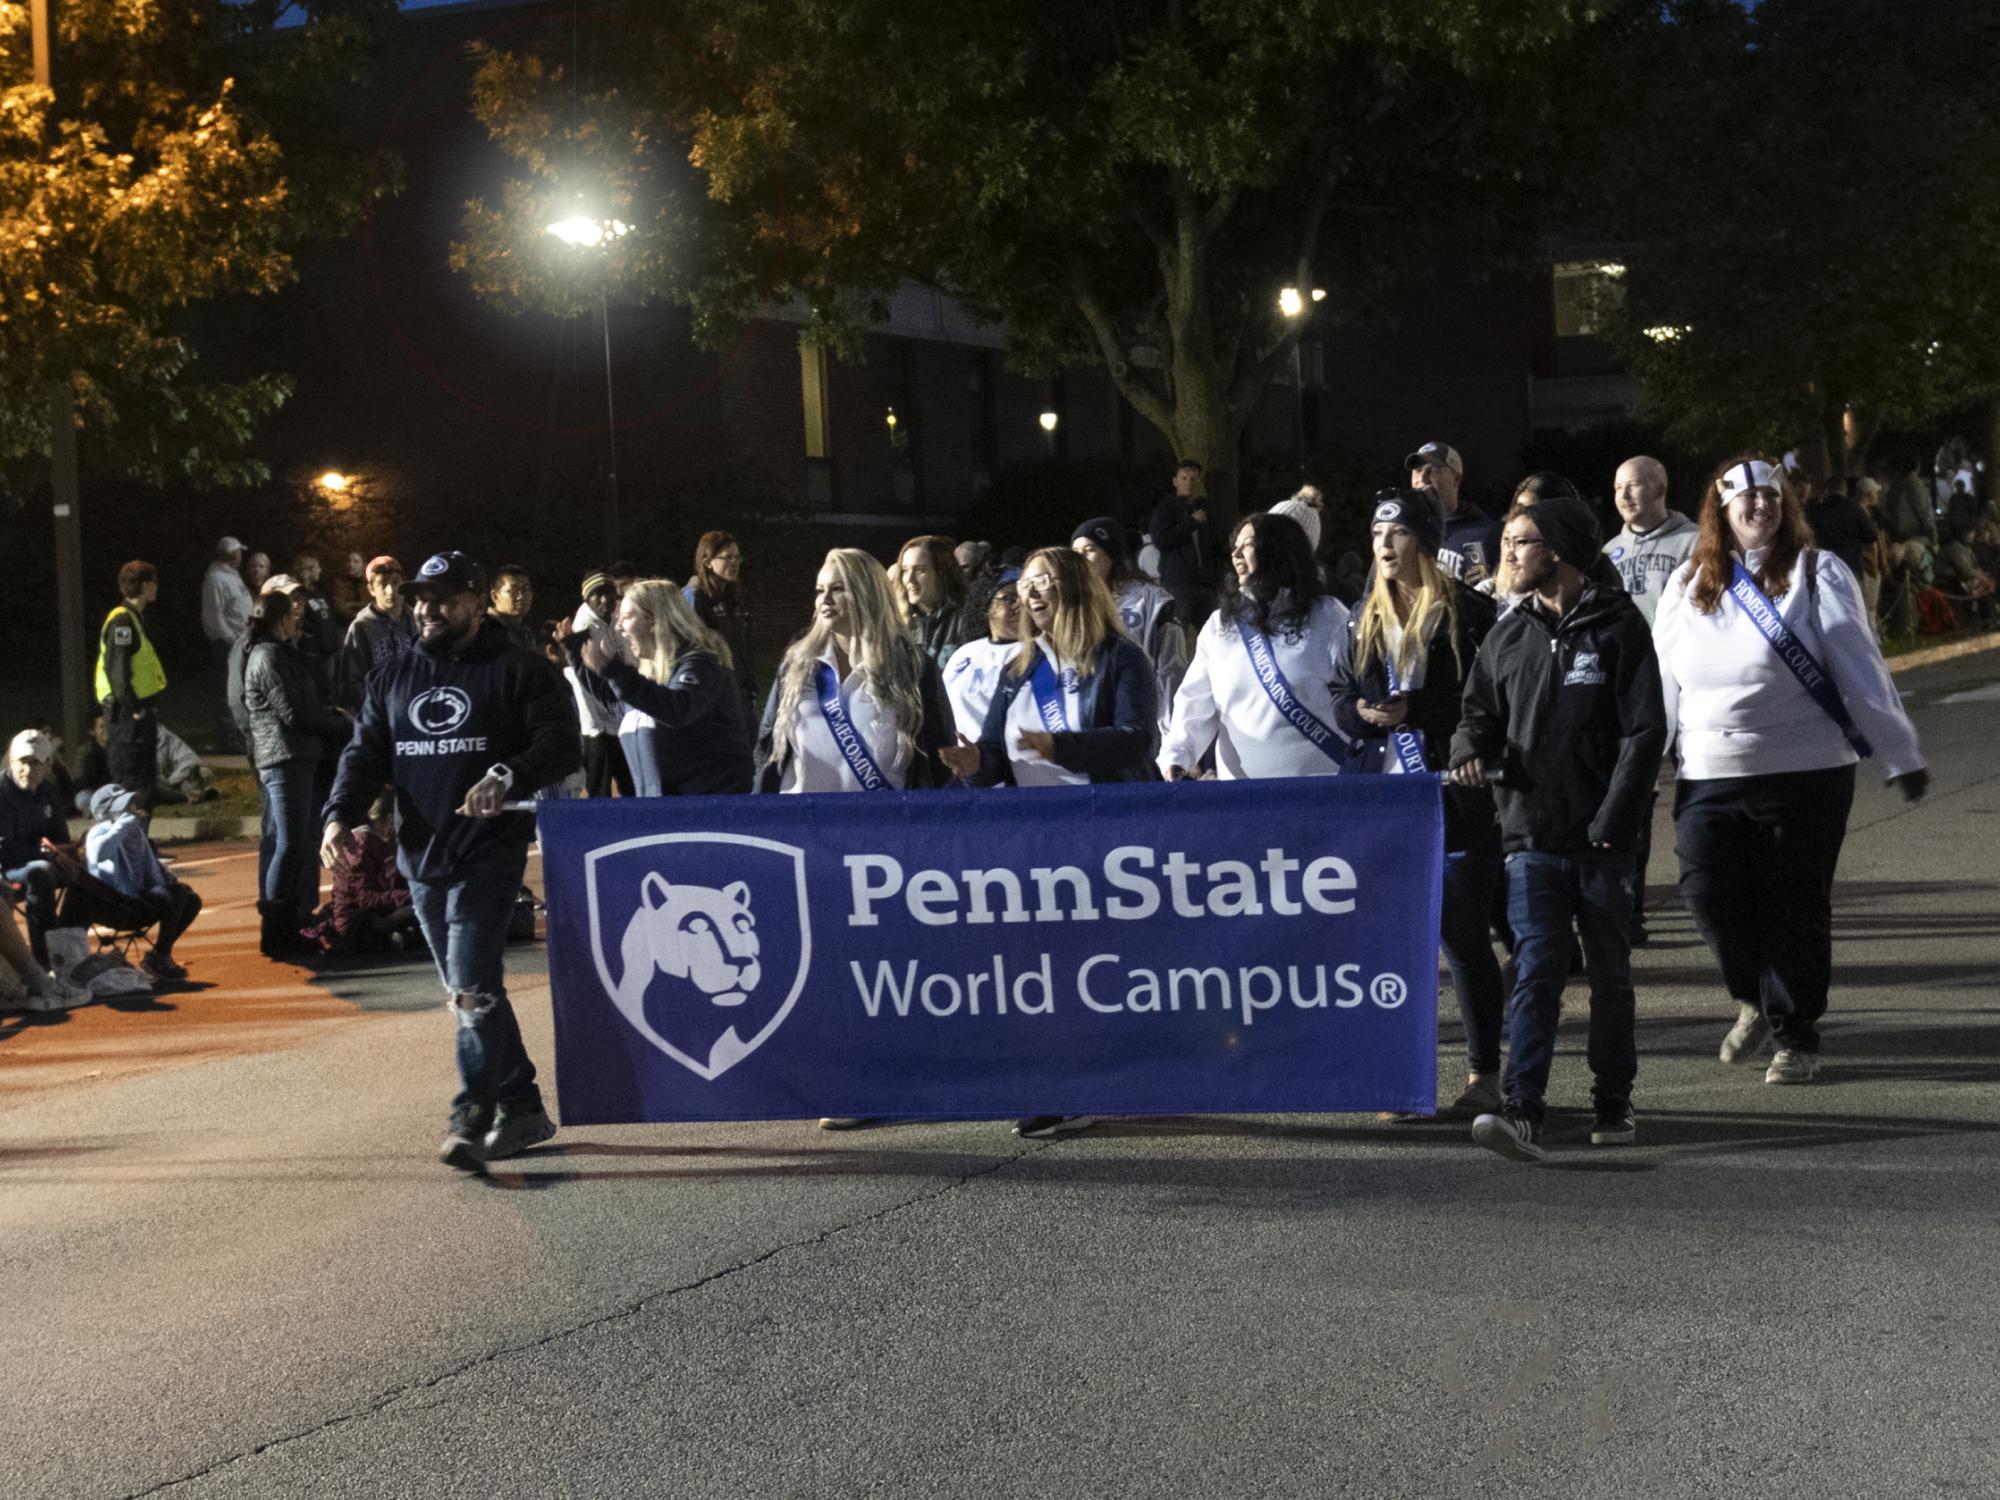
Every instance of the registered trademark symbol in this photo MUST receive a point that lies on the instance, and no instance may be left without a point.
(1388, 991)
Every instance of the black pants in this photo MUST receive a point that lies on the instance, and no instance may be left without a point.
(604, 766)
(1642, 855)
(1757, 858)
(132, 747)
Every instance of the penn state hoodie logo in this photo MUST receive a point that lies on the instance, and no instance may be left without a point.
(440, 710)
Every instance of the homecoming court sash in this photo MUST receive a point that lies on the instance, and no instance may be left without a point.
(1048, 695)
(1271, 678)
(840, 723)
(1408, 743)
(1762, 613)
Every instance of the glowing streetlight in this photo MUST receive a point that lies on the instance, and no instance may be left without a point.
(581, 232)
(1048, 419)
(333, 482)
(1292, 302)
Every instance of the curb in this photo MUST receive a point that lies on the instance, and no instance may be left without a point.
(191, 830)
(1930, 654)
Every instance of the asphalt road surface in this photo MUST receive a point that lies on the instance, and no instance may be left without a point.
(233, 1267)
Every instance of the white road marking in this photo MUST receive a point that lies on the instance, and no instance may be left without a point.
(1988, 694)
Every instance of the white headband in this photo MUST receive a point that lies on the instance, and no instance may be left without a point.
(1751, 474)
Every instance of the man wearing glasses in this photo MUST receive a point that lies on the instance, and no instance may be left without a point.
(1563, 717)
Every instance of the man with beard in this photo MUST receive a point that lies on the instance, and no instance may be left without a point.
(456, 724)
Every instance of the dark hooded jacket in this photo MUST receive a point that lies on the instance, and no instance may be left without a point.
(1569, 715)
(434, 722)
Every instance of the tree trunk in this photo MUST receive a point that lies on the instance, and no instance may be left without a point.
(1203, 431)
(1993, 444)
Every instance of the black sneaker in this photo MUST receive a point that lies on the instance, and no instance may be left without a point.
(514, 1131)
(462, 1147)
(1042, 1127)
(1614, 1125)
(1510, 1134)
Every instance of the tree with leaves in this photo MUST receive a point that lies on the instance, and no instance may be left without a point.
(182, 155)
(1814, 238)
(1126, 181)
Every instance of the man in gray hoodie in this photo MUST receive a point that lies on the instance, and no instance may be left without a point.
(1648, 552)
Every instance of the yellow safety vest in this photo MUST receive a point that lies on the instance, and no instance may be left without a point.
(149, 678)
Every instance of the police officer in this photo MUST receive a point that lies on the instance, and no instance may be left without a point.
(456, 724)
(130, 680)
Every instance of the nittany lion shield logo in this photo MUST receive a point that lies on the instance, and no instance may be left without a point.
(701, 940)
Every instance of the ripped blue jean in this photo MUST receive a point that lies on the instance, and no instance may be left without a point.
(465, 923)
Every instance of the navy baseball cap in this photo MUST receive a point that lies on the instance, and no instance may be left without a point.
(444, 575)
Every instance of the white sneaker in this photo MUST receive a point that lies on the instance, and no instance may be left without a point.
(1747, 1037)
(1792, 1066)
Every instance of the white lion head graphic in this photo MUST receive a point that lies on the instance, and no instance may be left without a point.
(705, 969)
(691, 932)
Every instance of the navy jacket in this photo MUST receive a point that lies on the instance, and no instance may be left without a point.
(26, 818)
(1120, 737)
(698, 742)
(433, 723)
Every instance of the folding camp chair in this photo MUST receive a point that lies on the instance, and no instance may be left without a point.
(120, 924)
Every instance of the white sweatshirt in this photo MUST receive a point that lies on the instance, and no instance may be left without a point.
(1739, 710)
(971, 678)
(1222, 702)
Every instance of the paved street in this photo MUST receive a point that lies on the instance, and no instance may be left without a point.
(234, 1268)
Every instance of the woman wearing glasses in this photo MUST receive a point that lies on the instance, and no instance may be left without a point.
(1259, 688)
(857, 705)
(1396, 693)
(973, 672)
(1077, 703)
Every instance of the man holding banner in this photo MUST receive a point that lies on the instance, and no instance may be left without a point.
(1563, 716)
(455, 724)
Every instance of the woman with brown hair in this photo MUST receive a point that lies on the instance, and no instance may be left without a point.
(930, 596)
(715, 593)
(1776, 688)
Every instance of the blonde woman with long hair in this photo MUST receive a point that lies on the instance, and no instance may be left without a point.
(681, 721)
(1396, 690)
(857, 705)
(1079, 702)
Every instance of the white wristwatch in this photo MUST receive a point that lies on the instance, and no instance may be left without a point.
(498, 770)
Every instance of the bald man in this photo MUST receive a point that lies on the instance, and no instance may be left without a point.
(1648, 552)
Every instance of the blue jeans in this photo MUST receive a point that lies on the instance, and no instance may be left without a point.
(465, 923)
(1545, 893)
(1469, 879)
(292, 831)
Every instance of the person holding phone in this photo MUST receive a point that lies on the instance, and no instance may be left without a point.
(1397, 683)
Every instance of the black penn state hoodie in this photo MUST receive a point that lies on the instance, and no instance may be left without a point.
(434, 721)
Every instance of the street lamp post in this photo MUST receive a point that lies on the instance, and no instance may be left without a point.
(581, 232)
(1293, 305)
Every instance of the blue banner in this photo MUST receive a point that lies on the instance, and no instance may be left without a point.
(1143, 949)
